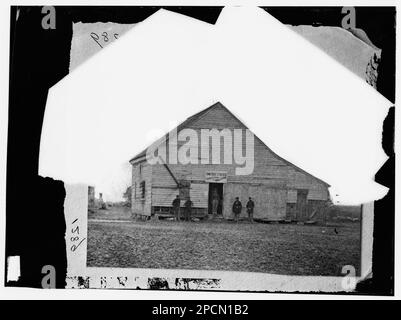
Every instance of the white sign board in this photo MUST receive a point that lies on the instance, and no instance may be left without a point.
(216, 177)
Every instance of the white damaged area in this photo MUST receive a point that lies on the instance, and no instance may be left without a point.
(298, 100)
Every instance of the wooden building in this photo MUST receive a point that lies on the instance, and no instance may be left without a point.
(280, 190)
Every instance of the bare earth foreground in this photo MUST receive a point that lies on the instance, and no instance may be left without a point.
(272, 248)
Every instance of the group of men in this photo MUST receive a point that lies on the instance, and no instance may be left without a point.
(237, 208)
(177, 209)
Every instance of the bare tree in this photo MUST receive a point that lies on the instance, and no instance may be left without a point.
(127, 196)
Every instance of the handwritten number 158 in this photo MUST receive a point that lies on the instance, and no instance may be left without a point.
(75, 237)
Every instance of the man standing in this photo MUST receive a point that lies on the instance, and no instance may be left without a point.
(176, 207)
(237, 208)
(215, 203)
(188, 209)
(249, 208)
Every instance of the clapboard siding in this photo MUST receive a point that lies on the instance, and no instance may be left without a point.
(266, 163)
(292, 196)
(163, 197)
(199, 194)
(141, 172)
(270, 204)
(217, 117)
(161, 177)
(273, 181)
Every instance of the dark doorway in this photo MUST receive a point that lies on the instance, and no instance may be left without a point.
(215, 191)
(302, 200)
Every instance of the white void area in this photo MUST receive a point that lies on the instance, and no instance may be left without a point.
(13, 268)
(304, 105)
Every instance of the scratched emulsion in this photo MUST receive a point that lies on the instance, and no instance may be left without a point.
(103, 282)
(77, 282)
(110, 282)
(158, 283)
(122, 281)
(153, 283)
(197, 284)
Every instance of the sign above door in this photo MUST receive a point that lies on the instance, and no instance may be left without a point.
(216, 176)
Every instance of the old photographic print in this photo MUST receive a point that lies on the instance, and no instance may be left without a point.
(198, 213)
(217, 148)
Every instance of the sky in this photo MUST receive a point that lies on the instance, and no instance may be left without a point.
(304, 105)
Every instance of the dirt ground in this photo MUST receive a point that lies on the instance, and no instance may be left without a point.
(113, 213)
(258, 247)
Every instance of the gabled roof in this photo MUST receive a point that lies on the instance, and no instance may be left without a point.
(199, 115)
(182, 125)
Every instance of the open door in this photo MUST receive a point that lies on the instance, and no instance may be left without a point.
(215, 191)
(302, 208)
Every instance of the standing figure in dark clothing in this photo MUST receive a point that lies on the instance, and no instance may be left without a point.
(237, 208)
(249, 209)
(215, 203)
(176, 207)
(188, 209)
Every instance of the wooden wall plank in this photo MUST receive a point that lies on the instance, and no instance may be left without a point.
(273, 181)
